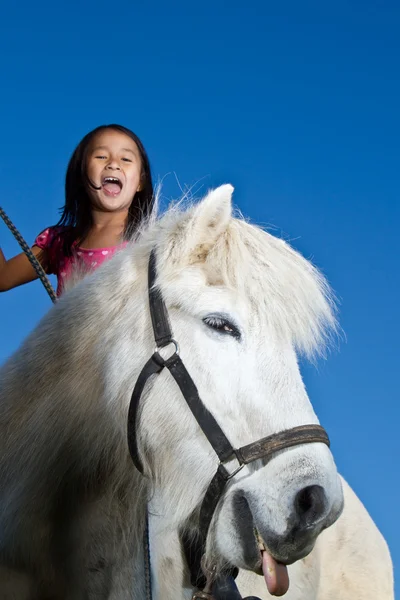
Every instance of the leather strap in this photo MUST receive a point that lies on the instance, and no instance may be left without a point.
(268, 446)
(152, 367)
(158, 311)
(211, 499)
(208, 424)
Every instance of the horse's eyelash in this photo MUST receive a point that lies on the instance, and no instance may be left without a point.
(220, 321)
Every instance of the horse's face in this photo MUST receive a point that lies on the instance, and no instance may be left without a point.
(245, 368)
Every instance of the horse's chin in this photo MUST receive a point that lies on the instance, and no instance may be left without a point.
(271, 561)
(283, 550)
(273, 570)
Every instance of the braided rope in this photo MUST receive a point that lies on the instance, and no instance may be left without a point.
(31, 257)
(147, 565)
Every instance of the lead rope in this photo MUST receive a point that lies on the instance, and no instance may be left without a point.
(147, 565)
(31, 257)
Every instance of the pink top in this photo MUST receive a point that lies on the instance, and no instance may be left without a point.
(52, 239)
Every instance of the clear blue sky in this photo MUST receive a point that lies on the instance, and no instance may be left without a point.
(296, 104)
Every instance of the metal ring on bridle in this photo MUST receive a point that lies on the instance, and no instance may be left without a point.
(174, 342)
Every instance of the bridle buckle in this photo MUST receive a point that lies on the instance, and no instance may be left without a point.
(229, 475)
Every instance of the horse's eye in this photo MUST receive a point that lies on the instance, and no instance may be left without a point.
(222, 325)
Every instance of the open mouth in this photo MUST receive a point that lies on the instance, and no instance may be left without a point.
(275, 573)
(112, 186)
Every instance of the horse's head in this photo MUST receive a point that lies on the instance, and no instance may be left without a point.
(242, 305)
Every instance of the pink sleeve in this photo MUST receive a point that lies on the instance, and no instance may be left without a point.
(45, 238)
(51, 241)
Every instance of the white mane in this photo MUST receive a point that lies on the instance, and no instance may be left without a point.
(286, 289)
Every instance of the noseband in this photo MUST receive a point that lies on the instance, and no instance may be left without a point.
(264, 448)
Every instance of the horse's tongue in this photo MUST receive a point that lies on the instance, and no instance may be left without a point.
(276, 575)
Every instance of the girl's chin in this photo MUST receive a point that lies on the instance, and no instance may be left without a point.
(111, 203)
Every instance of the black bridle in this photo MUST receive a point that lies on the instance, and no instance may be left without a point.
(265, 448)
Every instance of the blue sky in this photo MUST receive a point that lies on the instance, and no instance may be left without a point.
(295, 104)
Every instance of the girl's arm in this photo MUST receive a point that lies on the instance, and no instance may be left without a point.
(18, 270)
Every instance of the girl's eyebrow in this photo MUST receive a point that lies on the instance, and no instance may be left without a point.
(128, 150)
(105, 148)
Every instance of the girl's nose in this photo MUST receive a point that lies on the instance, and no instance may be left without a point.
(113, 165)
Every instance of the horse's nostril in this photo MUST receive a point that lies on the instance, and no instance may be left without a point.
(310, 504)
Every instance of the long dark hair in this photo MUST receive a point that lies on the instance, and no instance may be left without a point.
(76, 214)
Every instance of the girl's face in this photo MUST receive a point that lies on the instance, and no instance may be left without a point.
(113, 166)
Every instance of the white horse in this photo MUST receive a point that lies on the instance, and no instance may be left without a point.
(242, 305)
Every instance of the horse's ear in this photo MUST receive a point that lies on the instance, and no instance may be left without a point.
(215, 210)
(210, 219)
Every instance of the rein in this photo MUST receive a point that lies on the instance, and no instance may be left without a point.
(264, 448)
(31, 257)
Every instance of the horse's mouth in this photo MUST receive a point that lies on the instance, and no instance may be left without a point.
(275, 573)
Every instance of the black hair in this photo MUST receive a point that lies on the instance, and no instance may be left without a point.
(77, 214)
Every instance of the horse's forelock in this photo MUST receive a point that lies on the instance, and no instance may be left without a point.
(282, 286)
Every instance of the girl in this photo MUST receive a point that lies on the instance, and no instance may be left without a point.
(108, 191)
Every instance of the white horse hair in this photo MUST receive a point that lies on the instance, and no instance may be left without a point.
(242, 305)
